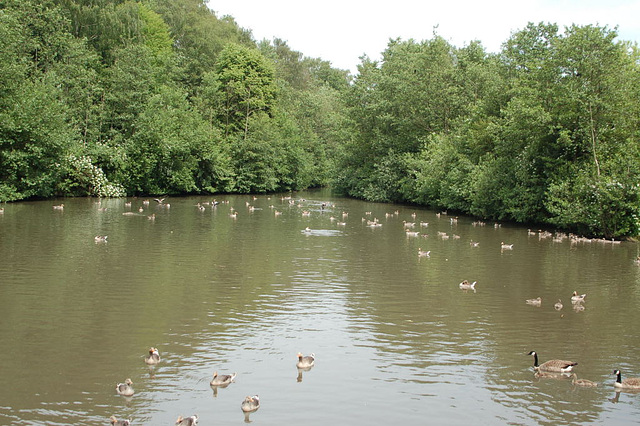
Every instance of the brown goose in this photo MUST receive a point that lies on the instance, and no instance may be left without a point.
(582, 382)
(629, 383)
(187, 421)
(305, 361)
(222, 379)
(553, 365)
(125, 389)
(250, 403)
(153, 358)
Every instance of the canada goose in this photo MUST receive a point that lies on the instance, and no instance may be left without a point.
(187, 421)
(305, 361)
(422, 253)
(116, 422)
(250, 403)
(582, 382)
(100, 238)
(222, 379)
(553, 365)
(577, 298)
(125, 388)
(504, 246)
(558, 306)
(153, 358)
(465, 285)
(629, 383)
(59, 207)
(535, 302)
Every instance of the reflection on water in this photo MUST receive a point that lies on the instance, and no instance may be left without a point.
(397, 338)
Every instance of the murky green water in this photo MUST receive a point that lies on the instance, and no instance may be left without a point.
(396, 340)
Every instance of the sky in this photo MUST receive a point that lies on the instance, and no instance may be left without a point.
(341, 31)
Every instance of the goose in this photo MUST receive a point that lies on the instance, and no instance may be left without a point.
(465, 285)
(474, 244)
(152, 217)
(59, 207)
(558, 306)
(100, 238)
(553, 365)
(153, 358)
(422, 253)
(250, 403)
(504, 246)
(535, 302)
(629, 383)
(125, 388)
(222, 379)
(582, 382)
(1, 210)
(140, 209)
(187, 421)
(577, 298)
(115, 422)
(159, 200)
(305, 361)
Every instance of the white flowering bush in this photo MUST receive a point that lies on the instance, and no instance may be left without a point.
(84, 176)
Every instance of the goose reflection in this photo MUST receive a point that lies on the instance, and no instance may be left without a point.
(301, 370)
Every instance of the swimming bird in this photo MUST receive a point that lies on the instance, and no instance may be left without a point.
(100, 238)
(222, 379)
(558, 305)
(59, 207)
(153, 358)
(465, 285)
(474, 244)
(159, 200)
(187, 421)
(305, 361)
(535, 302)
(422, 253)
(582, 382)
(115, 422)
(504, 246)
(125, 389)
(577, 298)
(553, 365)
(629, 383)
(250, 403)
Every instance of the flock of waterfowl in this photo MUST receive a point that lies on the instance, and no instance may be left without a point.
(250, 404)
(552, 368)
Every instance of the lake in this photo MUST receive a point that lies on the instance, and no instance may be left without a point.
(395, 338)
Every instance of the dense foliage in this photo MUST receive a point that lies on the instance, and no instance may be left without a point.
(115, 97)
(127, 97)
(547, 131)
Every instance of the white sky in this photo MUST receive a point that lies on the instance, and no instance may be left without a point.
(340, 31)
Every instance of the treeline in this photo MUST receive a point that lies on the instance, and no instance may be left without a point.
(545, 132)
(114, 97)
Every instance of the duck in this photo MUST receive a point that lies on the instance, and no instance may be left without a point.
(582, 382)
(125, 389)
(250, 403)
(100, 238)
(187, 421)
(59, 207)
(465, 285)
(629, 383)
(558, 306)
(153, 358)
(553, 365)
(422, 253)
(504, 246)
(577, 298)
(535, 302)
(222, 379)
(305, 361)
(115, 422)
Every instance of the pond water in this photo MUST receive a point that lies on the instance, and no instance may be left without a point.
(395, 338)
